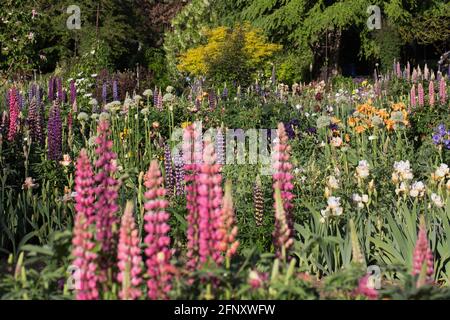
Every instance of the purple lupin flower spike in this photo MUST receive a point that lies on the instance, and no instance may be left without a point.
(212, 100)
(104, 93)
(179, 173)
(168, 170)
(54, 132)
(73, 92)
(155, 97)
(30, 93)
(225, 93)
(35, 123)
(20, 100)
(115, 91)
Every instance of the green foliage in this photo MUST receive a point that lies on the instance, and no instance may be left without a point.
(157, 64)
(389, 43)
(187, 32)
(18, 37)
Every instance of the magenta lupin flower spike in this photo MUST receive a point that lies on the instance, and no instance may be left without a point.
(159, 269)
(107, 193)
(84, 187)
(83, 236)
(13, 114)
(129, 257)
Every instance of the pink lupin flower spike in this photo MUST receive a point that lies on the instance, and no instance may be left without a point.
(282, 175)
(228, 230)
(209, 201)
(421, 95)
(431, 93)
(423, 264)
(192, 155)
(157, 241)
(129, 257)
(413, 96)
(84, 187)
(85, 259)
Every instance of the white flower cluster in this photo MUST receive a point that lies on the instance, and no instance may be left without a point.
(360, 200)
(333, 208)
(437, 200)
(441, 172)
(332, 183)
(362, 170)
(417, 189)
(402, 172)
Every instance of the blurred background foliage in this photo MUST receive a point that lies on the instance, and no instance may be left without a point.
(318, 37)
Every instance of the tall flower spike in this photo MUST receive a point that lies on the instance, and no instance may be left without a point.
(83, 238)
(13, 114)
(413, 96)
(115, 91)
(35, 123)
(431, 93)
(421, 95)
(423, 264)
(129, 257)
(160, 270)
(228, 229)
(54, 132)
(85, 259)
(107, 194)
(179, 174)
(84, 187)
(220, 146)
(258, 201)
(73, 93)
(282, 175)
(169, 175)
(191, 158)
(282, 235)
(209, 201)
(399, 70)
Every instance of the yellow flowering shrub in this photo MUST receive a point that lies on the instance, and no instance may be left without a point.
(246, 46)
